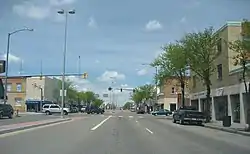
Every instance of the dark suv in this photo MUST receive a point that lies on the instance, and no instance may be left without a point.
(6, 110)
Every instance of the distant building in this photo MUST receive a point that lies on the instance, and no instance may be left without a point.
(169, 96)
(37, 89)
(16, 92)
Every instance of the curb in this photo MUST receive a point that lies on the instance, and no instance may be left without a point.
(228, 130)
(32, 126)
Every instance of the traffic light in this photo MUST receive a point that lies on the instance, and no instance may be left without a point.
(121, 89)
(2, 66)
(85, 75)
(109, 89)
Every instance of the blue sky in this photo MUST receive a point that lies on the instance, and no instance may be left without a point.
(113, 37)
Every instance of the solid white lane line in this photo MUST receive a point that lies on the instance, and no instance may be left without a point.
(149, 131)
(102, 122)
(130, 116)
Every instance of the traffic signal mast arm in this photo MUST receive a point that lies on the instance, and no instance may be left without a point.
(127, 89)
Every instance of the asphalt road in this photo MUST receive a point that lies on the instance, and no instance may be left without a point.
(123, 133)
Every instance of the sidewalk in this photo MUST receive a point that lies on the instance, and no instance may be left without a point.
(234, 128)
(26, 125)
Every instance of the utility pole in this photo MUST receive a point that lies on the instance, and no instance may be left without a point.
(65, 13)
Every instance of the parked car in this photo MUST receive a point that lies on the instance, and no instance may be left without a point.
(162, 112)
(83, 109)
(93, 109)
(49, 109)
(140, 111)
(188, 115)
(6, 110)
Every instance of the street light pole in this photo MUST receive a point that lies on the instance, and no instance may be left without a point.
(64, 53)
(7, 60)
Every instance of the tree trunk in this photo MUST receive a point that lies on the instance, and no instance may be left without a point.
(183, 93)
(207, 107)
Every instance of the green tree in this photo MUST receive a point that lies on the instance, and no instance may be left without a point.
(98, 102)
(148, 91)
(127, 105)
(71, 91)
(201, 50)
(89, 96)
(172, 62)
(143, 93)
(137, 96)
(242, 52)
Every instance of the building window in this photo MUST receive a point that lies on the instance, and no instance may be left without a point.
(194, 81)
(9, 87)
(173, 90)
(219, 45)
(219, 72)
(18, 87)
(18, 100)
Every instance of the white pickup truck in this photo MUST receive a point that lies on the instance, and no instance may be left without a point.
(49, 109)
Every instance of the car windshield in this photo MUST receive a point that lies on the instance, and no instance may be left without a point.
(124, 76)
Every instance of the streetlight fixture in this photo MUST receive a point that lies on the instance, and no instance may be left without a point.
(156, 82)
(64, 12)
(7, 59)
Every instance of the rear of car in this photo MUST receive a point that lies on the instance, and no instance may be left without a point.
(189, 116)
(6, 110)
(194, 117)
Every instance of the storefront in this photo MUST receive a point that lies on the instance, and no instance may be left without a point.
(35, 105)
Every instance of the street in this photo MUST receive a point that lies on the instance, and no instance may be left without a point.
(122, 132)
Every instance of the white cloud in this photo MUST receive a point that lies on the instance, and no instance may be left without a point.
(108, 75)
(92, 22)
(29, 10)
(12, 58)
(153, 25)
(124, 85)
(183, 20)
(143, 71)
(61, 2)
(39, 12)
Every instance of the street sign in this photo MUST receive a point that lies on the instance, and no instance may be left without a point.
(105, 95)
(65, 92)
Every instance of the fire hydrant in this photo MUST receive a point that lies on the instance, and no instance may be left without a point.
(17, 113)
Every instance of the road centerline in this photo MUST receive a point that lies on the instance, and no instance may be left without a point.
(102, 122)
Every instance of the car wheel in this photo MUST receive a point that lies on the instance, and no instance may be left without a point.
(65, 113)
(47, 112)
(174, 121)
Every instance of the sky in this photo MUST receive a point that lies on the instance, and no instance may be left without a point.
(112, 37)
